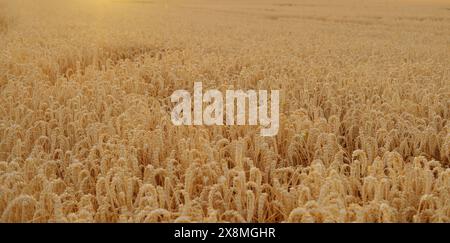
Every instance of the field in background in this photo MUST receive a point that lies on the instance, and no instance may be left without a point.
(86, 136)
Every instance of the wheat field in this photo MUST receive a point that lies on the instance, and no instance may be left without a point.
(86, 135)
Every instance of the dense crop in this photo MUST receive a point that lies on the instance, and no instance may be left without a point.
(86, 135)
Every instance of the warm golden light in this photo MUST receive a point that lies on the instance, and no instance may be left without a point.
(362, 94)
